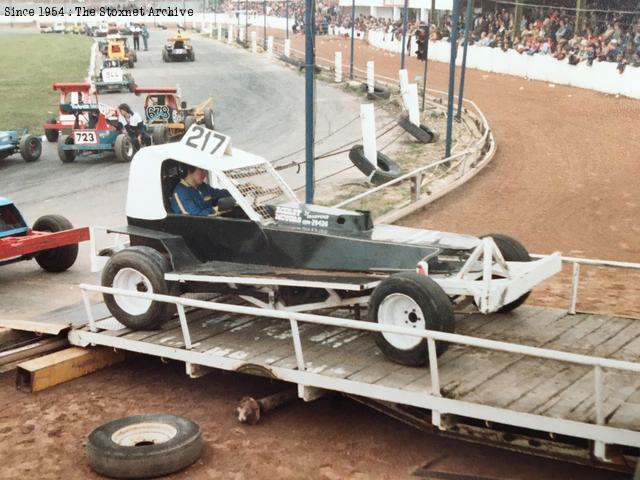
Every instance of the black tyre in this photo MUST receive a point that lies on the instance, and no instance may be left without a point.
(191, 56)
(30, 148)
(414, 301)
(141, 269)
(66, 156)
(422, 133)
(123, 148)
(188, 121)
(512, 251)
(165, 56)
(131, 63)
(379, 92)
(144, 446)
(387, 169)
(51, 133)
(57, 259)
(159, 135)
(209, 119)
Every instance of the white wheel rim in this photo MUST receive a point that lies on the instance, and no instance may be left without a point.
(142, 434)
(130, 279)
(400, 310)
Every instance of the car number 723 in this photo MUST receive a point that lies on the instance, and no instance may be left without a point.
(85, 137)
(204, 140)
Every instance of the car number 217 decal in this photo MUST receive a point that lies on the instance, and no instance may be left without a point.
(203, 139)
(85, 137)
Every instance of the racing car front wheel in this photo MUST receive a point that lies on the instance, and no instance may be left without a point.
(30, 148)
(55, 259)
(209, 119)
(139, 269)
(414, 301)
(512, 251)
(160, 135)
(66, 156)
(51, 133)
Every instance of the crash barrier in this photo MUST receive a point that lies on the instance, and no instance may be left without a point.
(305, 376)
(601, 76)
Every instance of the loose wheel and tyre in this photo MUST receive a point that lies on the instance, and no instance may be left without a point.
(159, 135)
(56, 259)
(51, 133)
(512, 251)
(410, 300)
(66, 156)
(140, 269)
(386, 171)
(144, 446)
(209, 119)
(30, 148)
(123, 148)
(379, 92)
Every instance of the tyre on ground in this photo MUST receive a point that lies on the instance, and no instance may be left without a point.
(144, 446)
(140, 269)
(51, 133)
(30, 148)
(56, 259)
(422, 133)
(512, 251)
(123, 148)
(410, 300)
(209, 118)
(66, 156)
(386, 170)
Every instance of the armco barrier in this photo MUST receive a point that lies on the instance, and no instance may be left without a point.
(601, 76)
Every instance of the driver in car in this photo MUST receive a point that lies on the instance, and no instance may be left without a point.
(192, 196)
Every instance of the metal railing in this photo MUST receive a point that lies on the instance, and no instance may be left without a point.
(598, 432)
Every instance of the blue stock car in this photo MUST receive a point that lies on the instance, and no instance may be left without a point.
(29, 146)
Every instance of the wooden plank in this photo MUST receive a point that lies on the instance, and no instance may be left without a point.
(55, 368)
(56, 321)
(554, 384)
(477, 365)
(626, 416)
(240, 337)
(528, 373)
(20, 353)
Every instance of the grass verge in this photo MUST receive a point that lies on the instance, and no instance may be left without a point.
(29, 63)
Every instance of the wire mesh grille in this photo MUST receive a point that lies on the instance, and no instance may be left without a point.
(260, 187)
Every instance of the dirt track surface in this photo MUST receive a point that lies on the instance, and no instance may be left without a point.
(562, 179)
(330, 439)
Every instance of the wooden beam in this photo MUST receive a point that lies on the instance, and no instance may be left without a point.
(42, 346)
(58, 367)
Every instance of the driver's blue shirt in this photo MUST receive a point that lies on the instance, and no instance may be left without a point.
(199, 201)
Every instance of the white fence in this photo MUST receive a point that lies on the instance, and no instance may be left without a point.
(601, 77)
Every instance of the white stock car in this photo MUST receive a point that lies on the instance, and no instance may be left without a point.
(275, 252)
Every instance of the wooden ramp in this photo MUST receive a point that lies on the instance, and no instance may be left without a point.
(480, 376)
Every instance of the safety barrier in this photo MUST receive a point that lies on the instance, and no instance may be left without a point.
(601, 76)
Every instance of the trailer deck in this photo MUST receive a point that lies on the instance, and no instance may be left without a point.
(580, 400)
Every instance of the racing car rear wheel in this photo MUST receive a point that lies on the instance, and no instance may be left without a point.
(191, 56)
(209, 119)
(123, 148)
(56, 259)
(51, 133)
(159, 135)
(139, 269)
(512, 251)
(30, 148)
(413, 301)
(67, 156)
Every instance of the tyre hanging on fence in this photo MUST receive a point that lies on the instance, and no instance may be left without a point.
(386, 171)
(422, 133)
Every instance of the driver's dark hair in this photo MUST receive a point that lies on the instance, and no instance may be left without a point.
(187, 169)
(126, 108)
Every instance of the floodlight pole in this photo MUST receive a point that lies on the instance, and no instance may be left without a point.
(264, 29)
(432, 14)
(238, 19)
(310, 63)
(287, 15)
(353, 29)
(405, 19)
(455, 15)
(467, 29)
